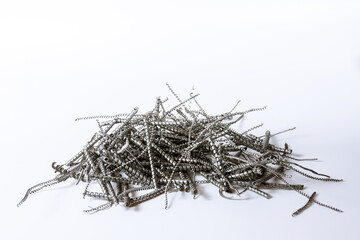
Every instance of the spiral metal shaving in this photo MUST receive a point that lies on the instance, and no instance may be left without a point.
(176, 150)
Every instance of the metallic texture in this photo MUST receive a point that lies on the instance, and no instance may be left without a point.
(168, 150)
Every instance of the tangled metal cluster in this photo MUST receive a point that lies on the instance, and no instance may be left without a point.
(176, 150)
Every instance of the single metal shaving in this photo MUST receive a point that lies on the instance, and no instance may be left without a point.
(176, 150)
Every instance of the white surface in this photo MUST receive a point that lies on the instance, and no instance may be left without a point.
(64, 59)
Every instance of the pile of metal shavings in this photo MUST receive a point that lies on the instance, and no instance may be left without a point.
(136, 157)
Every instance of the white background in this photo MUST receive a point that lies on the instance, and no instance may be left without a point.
(64, 59)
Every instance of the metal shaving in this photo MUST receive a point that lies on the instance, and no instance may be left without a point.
(136, 157)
